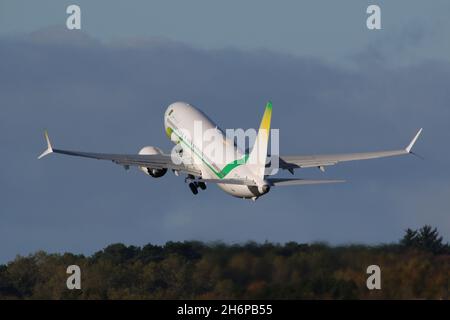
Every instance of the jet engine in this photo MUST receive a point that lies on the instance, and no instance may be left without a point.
(154, 172)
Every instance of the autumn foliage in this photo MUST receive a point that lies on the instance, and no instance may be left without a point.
(418, 267)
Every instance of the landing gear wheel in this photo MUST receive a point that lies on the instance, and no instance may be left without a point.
(201, 185)
(193, 188)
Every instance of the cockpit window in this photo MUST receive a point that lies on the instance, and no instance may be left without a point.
(170, 112)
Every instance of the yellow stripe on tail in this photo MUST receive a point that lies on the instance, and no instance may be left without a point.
(258, 155)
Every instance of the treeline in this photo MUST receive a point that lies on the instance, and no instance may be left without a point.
(417, 267)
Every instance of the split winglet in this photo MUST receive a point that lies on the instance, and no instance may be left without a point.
(413, 141)
(49, 146)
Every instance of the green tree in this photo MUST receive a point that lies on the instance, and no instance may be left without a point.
(426, 238)
(196, 270)
(430, 240)
(410, 238)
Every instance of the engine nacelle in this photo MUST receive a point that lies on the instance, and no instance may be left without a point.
(155, 173)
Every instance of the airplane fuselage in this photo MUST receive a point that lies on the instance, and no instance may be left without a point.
(191, 130)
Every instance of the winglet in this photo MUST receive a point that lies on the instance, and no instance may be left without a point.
(413, 141)
(49, 146)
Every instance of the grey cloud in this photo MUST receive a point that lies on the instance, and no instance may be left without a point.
(101, 96)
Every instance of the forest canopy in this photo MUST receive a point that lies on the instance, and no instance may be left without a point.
(416, 267)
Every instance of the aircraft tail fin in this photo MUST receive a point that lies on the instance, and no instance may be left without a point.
(258, 155)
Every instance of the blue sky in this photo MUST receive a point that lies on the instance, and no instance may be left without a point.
(335, 87)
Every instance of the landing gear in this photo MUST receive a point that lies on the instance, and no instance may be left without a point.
(193, 188)
(201, 185)
(195, 185)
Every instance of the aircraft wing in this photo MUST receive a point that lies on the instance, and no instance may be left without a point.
(308, 161)
(156, 161)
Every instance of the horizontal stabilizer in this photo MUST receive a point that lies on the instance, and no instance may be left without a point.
(271, 181)
(242, 182)
(292, 182)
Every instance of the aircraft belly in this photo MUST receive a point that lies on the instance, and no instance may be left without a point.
(239, 191)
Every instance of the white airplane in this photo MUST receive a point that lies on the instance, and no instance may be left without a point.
(244, 177)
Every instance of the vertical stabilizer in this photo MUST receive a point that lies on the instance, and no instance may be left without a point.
(258, 155)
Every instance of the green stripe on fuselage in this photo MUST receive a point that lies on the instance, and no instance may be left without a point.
(222, 173)
(234, 164)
